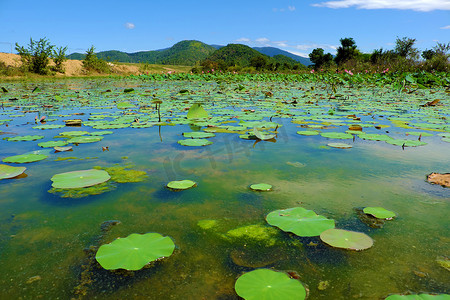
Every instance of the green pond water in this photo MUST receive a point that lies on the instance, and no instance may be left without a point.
(44, 236)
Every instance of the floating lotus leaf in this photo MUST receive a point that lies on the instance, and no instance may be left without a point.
(196, 111)
(103, 132)
(194, 142)
(346, 239)
(262, 187)
(125, 105)
(268, 285)
(85, 139)
(419, 297)
(25, 138)
(379, 212)
(419, 133)
(25, 158)
(340, 145)
(406, 143)
(134, 251)
(52, 144)
(299, 221)
(446, 139)
(263, 135)
(248, 136)
(74, 133)
(308, 132)
(181, 184)
(48, 126)
(337, 135)
(10, 171)
(198, 134)
(376, 137)
(79, 179)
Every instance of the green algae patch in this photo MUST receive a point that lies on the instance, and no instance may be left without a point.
(83, 192)
(122, 175)
(207, 224)
(256, 233)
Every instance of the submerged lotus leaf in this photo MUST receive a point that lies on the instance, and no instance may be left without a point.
(346, 239)
(10, 171)
(181, 184)
(25, 138)
(85, 139)
(125, 105)
(194, 142)
(419, 297)
(134, 251)
(443, 262)
(337, 135)
(121, 175)
(308, 132)
(52, 144)
(256, 233)
(268, 285)
(198, 134)
(262, 187)
(25, 158)
(196, 111)
(340, 145)
(79, 179)
(299, 221)
(379, 212)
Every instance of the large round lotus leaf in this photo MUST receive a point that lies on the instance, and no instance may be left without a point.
(262, 187)
(406, 143)
(79, 179)
(198, 134)
(74, 133)
(48, 126)
(376, 137)
(299, 221)
(25, 158)
(379, 212)
(308, 132)
(419, 297)
(10, 172)
(181, 184)
(340, 145)
(103, 132)
(52, 144)
(25, 138)
(265, 284)
(196, 111)
(134, 251)
(194, 142)
(125, 105)
(341, 238)
(85, 139)
(337, 135)
(418, 133)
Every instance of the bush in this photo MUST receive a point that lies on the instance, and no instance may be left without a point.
(36, 57)
(59, 56)
(93, 64)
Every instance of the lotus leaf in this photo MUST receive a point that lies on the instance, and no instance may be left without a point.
(85, 139)
(198, 135)
(406, 143)
(337, 135)
(379, 212)
(48, 126)
(124, 105)
(263, 135)
(262, 187)
(181, 184)
(346, 239)
(25, 138)
(268, 285)
(299, 221)
(376, 137)
(10, 171)
(25, 158)
(73, 133)
(419, 297)
(79, 179)
(85, 191)
(195, 142)
(340, 145)
(103, 132)
(418, 133)
(308, 132)
(52, 144)
(134, 251)
(196, 111)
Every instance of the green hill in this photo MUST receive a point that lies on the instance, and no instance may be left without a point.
(236, 54)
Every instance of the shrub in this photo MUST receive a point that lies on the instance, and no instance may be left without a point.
(93, 64)
(59, 56)
(36, 57)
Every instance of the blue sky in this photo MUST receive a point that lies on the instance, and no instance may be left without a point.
(297, 26)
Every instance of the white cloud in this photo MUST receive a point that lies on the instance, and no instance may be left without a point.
(417, 5)
(129, 25)
(262, 40)
(445, 27)
(243, 39)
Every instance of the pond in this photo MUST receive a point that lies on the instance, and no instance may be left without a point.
(49, 236)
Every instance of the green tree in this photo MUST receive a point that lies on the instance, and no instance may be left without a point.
(404, 47)
(59, 56)
(36, 56)
(346, 51)
(259, 62)
(92, 63)
(428, 54)
(320, 59)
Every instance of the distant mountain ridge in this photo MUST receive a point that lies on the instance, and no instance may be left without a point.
(186, 52)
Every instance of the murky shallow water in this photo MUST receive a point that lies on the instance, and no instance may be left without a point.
(43, 234)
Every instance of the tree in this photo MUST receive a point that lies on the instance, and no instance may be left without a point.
(37, 56)
(59, 56)
(428, 54)
(404, 47)
(92, 63)
(319, 59)
(259, 62)
(346, 51)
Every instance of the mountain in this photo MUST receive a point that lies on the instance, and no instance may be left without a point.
(182, 53)
(233, 54)
(272, 51)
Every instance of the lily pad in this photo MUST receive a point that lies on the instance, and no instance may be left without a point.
(7, 172)
(198, 134)
(261, 187)
(406, 143)
(194, 142)
(181, 184)
(346, 239)
(308, 132)
(340, 145)
(134, 251)
(379, 212)
(79, 179)
(85, 139)
(419, 297)
(337, 135)
(299, 221)
(25, 138)
(52, 144)
(25, 158)
(269, 285)
(263, 135)
(196, 111)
